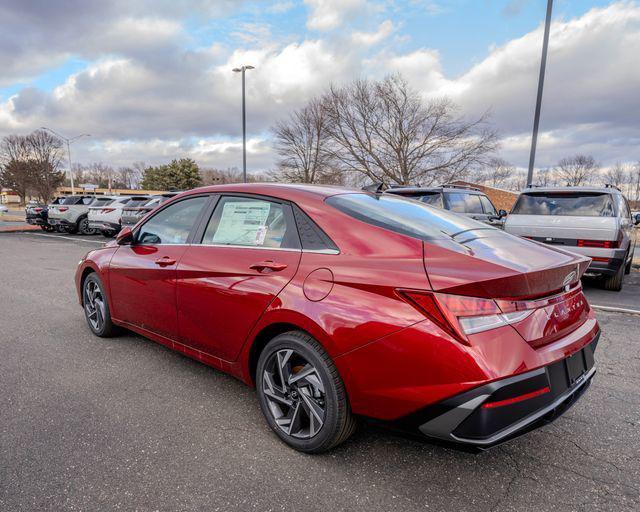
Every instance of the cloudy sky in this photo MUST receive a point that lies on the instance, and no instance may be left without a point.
(151, 80)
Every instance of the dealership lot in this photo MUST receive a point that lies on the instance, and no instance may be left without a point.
(93, 424)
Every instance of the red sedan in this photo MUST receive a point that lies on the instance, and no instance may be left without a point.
(337, 303)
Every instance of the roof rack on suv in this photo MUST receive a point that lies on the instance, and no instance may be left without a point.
(453, 185)
(610, 185)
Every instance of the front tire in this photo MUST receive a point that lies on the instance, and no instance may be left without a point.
(96, 307)
(302, 395)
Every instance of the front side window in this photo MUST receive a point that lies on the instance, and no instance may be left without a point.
(488, 206)
(404, 216)
(460, 202)
(173, 224)
(252, 223)
(578, 204)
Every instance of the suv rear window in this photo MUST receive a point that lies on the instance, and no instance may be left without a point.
(432, 198)
(403, 216)
(577, 204)
(137, 201)
(101, 201)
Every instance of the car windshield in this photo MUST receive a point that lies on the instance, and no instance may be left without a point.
(577, 204)
(403, 215)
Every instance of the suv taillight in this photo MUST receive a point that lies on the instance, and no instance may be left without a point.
(62, 208)
(604, 244)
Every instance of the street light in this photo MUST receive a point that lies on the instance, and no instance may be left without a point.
(68, 140)
(536, 117)
(242, 70)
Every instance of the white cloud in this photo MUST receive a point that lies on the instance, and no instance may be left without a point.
(328, 14)
(371, 38)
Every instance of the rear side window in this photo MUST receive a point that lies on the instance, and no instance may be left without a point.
(71, 200)
(136, 201)
(403, 216)
(464, 203)
(311, 236)
(101, 201)
(488, 206)
(173, 224)
(251, 223)
(577, 204)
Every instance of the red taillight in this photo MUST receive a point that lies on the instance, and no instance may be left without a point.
(37, 210)
(107, 210)
(62, 209)
(601, 260)
(516, 399)
(461, 316)
(603, 244)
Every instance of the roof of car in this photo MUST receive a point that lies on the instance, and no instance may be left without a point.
(441, 188)
(283, 190)
(610, 190)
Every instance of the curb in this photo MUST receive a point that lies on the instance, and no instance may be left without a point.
(19, 229)
(613, 309)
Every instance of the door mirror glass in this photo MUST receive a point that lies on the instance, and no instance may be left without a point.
(125, 237)
(636, 219)
(502, 213)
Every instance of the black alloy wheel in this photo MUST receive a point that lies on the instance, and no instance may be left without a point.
(302, 395)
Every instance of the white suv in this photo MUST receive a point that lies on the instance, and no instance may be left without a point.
(592, 221)
(106, 217)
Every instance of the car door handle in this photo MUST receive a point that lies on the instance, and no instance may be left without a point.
(165, 262)
(268, 265)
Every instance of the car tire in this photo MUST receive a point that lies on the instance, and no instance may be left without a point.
(614, 282)
(96, 307)
(82, 227)
(108, 234)
(301, 394)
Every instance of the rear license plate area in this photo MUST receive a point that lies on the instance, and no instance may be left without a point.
(576, 367)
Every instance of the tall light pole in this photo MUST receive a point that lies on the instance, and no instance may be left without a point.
(242, 70)
(543, 67)
(68, 140)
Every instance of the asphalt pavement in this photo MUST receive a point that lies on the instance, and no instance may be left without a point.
(126, 424)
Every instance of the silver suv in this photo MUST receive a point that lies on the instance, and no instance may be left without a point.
(70, 216)
(594, 222)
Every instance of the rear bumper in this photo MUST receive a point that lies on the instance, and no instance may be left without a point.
(61, 222)
(104, 225)
(467, 420)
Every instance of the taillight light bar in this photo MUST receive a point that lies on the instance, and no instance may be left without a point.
(62, 208)
(603, 244)
(107, 210)
(516, 399)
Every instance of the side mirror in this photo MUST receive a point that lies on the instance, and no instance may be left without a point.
(502, 213)
(125, 237)
(636, 219)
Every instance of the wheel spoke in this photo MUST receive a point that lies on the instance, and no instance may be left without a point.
(283, 367)
(306, 371)
(313, 408)
(294, 424)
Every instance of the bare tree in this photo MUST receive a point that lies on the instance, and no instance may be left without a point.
(384, 131)
(46, 154)
(496, 173)
(302, 143)
(577, 170)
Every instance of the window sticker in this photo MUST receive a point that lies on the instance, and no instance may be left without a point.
(243, 223)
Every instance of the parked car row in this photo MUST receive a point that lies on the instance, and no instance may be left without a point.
(91, 214)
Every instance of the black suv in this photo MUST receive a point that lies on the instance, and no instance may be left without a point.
(460, 199)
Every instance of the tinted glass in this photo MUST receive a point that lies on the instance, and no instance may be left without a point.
(402, 215)
(623, 208)
(137, 201)
(250, 222)
(464, 203)
(173, 224)
(584, 204)
(71, 200)
(432, 198)
(488, 206)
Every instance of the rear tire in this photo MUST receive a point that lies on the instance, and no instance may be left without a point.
(302, 395)
(627, 268)
(83, 228)
(96, 307)
(108, 234)
(614, 283)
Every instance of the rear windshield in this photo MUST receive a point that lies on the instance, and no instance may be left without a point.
(577, 204)
(71, 200)
(432, 198)
(102, 201)
(403, 215)
(137, 201)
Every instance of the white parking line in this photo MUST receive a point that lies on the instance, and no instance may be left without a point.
(68, 238)
(614, 309)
